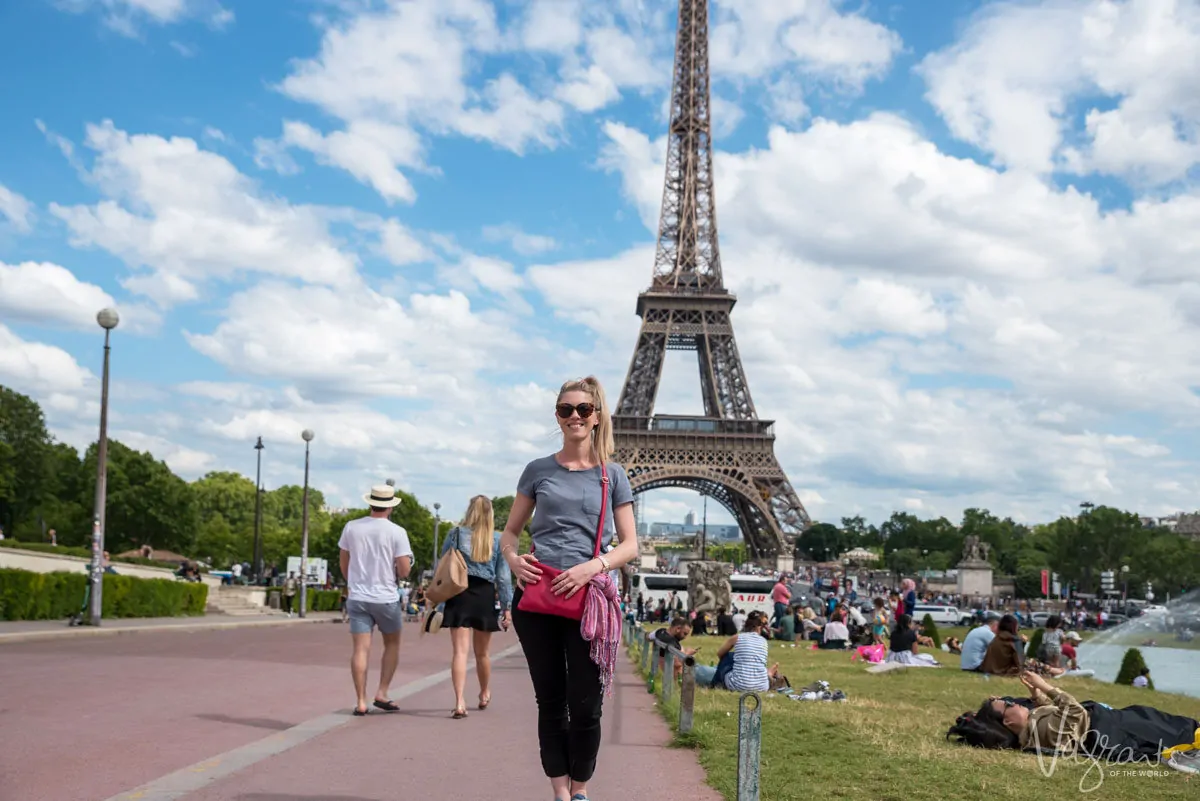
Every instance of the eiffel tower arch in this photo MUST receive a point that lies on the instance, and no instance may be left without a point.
(727, 453)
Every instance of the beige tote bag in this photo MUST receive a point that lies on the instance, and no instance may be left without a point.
(450, 578)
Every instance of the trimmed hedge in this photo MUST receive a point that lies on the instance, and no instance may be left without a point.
(318, 600)
(1033, 649)
(25, 595)
(1131, 668)
(931, 630)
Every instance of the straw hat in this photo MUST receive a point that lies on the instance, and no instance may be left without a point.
(382, 496)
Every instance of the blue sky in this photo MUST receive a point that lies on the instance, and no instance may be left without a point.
(964, 244)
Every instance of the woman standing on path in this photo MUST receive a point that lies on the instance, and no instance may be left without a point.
(580, 496)
(471, 615)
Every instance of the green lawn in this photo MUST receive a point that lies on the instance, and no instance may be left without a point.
(888, 740)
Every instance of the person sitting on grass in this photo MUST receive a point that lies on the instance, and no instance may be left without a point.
(786, 630)
(673, 636)
(1051, 720)
(953, 646)
(835, 635)
(1006, 653)
(743, 665)
(1143, 678)
(903, 647)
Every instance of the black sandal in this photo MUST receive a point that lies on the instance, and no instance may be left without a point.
(459, 714)
(387, 706)
(358, 713)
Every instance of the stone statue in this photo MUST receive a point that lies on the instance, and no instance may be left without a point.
(708, 586)
(702, 598)
(985, 549)
(971, 549)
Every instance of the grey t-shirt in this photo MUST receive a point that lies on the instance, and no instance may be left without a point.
(567, 509)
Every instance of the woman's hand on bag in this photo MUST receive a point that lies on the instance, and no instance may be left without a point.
(572, 581)
(525, 570)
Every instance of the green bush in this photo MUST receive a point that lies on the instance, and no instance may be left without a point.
(318, 600)
(931, 630)
(1034, 644)
(25, 595)
(1131, 668)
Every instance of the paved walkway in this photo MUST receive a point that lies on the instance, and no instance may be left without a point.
(262, 714)
(25, 630)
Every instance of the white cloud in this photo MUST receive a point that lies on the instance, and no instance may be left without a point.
(16, 209)
(124, 16)
(40, 369)
(359, 342)
(400, 246)
(44, 293)
(368, 150)
(1011, 84)
(521, 242)
(187, 215)
(187, 462)
(389, 74)
(791, 43)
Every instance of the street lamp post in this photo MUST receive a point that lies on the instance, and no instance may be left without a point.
(108, 319)
(1125, 584)
(437, 527)
(307, 435)
(258, 554)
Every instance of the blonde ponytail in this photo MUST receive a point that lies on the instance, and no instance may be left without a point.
(602, 434)
(481, 519)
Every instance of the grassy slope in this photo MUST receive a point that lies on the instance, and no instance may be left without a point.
(888, 741)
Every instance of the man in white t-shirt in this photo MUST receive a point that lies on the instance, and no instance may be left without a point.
(374, 552)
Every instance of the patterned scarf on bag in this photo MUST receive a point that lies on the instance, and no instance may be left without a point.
(601, 626)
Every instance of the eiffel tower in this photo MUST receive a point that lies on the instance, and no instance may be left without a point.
(728, 453)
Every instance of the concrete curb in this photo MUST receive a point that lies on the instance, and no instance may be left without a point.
(103, 631)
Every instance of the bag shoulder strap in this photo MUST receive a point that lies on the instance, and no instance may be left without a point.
(603, 508)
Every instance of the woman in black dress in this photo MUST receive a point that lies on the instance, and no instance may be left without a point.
(471, 615)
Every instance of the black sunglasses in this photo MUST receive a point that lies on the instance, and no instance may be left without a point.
(585, 410)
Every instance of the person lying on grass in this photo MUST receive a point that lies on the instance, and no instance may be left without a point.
(1051, 720)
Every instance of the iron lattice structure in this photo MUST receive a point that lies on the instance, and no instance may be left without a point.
(728, 453)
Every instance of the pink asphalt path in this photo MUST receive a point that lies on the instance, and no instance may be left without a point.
(88, 719)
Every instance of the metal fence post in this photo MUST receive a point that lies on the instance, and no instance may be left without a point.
(687, 696)
(653, 668)
(645, 651)
(668, 676)
(749, 746)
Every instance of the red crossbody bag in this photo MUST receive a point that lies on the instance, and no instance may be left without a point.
(540, 597)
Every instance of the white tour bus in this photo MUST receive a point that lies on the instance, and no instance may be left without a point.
(749, 592)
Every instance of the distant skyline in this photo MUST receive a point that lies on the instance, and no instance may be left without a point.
(966, 246)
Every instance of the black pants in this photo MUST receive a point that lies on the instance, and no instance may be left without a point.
(1135, 733)
(566, 683)
(287, 604)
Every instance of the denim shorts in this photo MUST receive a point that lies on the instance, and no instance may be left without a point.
(365, 616)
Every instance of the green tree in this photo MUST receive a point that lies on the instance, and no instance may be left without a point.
(823, 541)
(25, 458)
(859, 534)
(905, 561)
(219, 545)
(147, 503)
(229, 495)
